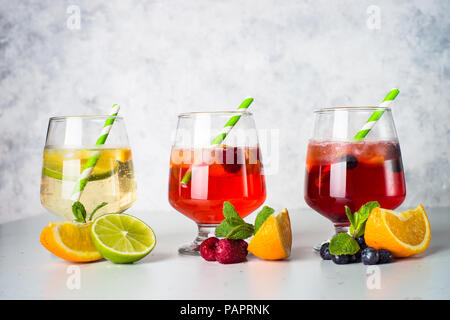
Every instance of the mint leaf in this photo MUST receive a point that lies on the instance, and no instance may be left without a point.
(233, 226)
(101, 205)
(262, 217)
(226, 226)
(343, 243)
(79, 212)
(242, 231)
(360, 231)
(358, 227)
(223, 229)
(350, 217)
(230, 212)
(365, 210)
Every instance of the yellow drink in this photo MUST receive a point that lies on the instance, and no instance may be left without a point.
(111, 181)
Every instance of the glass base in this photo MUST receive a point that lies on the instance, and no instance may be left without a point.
(204, 232)
(337, 229)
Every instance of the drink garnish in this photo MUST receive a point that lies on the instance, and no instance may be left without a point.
(376, 115)
(92, 160)
(79, 211)
(70, 241)
(272, 236)
(233, 226)
(101, 205)
(359, 218)
(404, 233)
(273, 240)
(122, 238)
(345, 243)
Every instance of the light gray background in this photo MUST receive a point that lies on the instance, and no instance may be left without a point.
(160, 58)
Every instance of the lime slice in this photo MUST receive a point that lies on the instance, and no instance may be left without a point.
(55, 174)
(122, 238)
(73, 162)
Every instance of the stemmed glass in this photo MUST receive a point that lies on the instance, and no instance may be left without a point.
(70, 142)
(342, 172)
(231, 171)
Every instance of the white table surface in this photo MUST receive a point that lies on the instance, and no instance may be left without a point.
(28, 271)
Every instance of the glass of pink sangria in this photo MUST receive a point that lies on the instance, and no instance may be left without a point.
(342, 172)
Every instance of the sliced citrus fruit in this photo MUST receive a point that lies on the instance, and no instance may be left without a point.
(122, 238)
(403, 233)
(273, 240)
(67, 164)
(70, 241)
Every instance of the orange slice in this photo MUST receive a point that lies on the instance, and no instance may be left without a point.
(273, 240)
(403, 233)
(70, 241)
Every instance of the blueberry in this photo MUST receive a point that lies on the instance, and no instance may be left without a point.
(351, 161)
(354, 258)
(342, 259)
(362, 242)
(385, 256)
(325, 251)
(369, 256)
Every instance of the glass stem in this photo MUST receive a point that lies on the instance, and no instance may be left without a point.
(341, 228)
(204, 232)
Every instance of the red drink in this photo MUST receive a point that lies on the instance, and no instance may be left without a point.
(350, 174)
(219, 174)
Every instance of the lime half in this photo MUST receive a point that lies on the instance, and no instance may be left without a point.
(122, 238)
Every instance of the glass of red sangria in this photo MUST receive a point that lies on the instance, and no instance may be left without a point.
(204, 175)
(341, 171)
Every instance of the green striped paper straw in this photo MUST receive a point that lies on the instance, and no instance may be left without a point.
(374, 117)
(92, 160)
(222, 135)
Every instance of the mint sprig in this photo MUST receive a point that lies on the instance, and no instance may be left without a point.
(345, 243)
(242, 231)
(234, 227)
(358, 220)
(79, 212)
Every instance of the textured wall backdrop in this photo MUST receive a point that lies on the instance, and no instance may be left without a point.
(160, 58)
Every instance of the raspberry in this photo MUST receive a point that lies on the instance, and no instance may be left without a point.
(231, 251)
(208, 249)
(244, 245)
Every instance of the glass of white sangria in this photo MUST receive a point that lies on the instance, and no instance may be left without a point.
(111, 186)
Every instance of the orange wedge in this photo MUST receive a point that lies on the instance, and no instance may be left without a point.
(273, 240)
(70, 241)
(403, 233)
